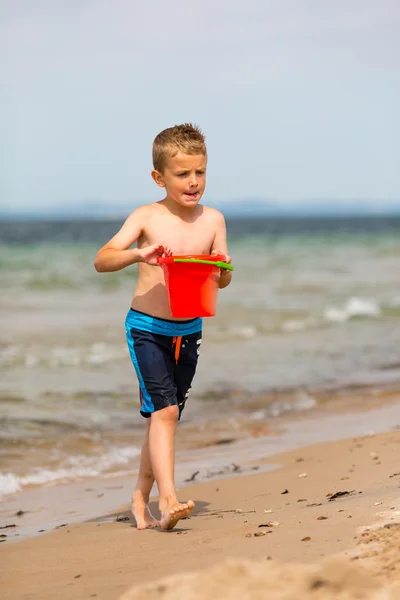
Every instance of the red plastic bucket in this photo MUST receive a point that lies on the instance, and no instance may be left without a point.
(192, 287)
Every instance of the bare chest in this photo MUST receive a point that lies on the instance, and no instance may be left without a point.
(182, 238)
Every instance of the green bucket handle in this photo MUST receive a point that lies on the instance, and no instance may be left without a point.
(218, 263)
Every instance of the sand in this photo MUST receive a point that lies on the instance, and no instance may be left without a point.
(278, 530)
(236, 580)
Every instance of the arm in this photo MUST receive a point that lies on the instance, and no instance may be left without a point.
(220, 246)
(118, 254)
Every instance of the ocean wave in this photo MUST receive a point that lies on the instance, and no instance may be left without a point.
(352, 308)
(74, 468)
(294, 325)
(67, 268)
(272, 322)
(61, 356)
(233, 324)
(301, 402)
(244, 332)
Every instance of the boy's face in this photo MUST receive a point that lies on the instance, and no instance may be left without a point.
(184, 178)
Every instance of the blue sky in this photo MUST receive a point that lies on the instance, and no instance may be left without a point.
(298, 100)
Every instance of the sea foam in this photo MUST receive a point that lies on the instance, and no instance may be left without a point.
(354, 307)
(74, 468)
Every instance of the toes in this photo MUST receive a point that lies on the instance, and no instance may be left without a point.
(182, 508)
(172, 515)
(153, 523)
(178, 509)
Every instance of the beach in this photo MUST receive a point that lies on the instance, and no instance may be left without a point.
(312, 316)
(332, 499)
(268, 137)
(297, 389)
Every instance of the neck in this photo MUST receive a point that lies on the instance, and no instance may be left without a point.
(184, 212)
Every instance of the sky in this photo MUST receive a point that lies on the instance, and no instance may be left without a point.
(298, 98)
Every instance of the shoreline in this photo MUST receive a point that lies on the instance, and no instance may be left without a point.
(292, 509)
(42, 509)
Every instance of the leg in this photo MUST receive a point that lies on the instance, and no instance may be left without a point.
(161, 445)
(154, 361)
(140, 498)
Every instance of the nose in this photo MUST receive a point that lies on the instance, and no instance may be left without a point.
(193, 180)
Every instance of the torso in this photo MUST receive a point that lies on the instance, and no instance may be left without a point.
(182, 237)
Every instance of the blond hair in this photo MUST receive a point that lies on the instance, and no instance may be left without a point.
(185, 138)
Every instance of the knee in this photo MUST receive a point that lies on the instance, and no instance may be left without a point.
(168, 415)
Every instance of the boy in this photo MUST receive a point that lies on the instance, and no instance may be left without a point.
(164, 350)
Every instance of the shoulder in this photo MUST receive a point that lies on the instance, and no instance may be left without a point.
(143, 212)
(214, 215)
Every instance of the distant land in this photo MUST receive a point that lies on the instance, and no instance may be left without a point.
(251, 207)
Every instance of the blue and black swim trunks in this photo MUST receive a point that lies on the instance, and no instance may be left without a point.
(164, 354)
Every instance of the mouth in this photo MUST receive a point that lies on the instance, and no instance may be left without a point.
(191, 195)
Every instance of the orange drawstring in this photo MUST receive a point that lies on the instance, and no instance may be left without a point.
(177, 341)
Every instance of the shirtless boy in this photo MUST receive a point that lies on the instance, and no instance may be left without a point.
(178, 224)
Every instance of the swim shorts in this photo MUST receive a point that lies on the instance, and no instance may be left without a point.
(164, 354)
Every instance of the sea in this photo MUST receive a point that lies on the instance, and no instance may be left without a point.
(313, 310)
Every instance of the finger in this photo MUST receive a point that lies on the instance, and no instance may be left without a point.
(224, 256)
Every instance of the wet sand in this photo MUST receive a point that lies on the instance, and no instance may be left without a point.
(329, 499)
(212, 454)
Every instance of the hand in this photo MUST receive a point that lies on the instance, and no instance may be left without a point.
(226, 258)
(151, 253)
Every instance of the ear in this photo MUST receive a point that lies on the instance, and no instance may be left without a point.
(158, 178)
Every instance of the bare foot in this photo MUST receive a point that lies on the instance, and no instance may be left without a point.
(175, 511)
(141, 512)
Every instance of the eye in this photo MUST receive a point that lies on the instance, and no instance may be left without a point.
(200, 172)
(182, 174)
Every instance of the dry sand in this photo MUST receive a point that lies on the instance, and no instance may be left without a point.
(267, 523)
